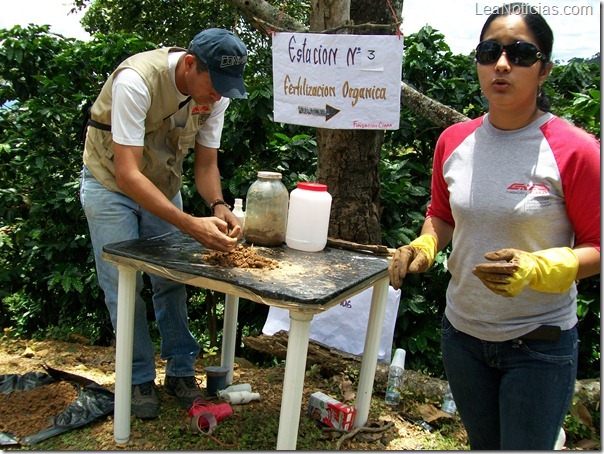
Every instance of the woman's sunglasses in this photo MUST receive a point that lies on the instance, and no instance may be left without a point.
(519, 53)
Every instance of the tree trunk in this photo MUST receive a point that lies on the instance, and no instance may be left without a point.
(349, 165)
(349, 160)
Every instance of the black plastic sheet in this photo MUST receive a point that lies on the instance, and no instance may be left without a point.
(93, 401)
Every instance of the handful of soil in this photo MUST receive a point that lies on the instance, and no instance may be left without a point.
(241, 257)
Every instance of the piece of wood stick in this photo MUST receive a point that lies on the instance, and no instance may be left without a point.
(376, 249)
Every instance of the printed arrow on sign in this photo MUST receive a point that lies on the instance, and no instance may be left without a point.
(329, 112)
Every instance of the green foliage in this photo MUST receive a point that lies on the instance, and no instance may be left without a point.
(46, 262)
(575, 92)
(582, 424)
(47, 276)
(171, 23)
(588, 311)
(430, 67)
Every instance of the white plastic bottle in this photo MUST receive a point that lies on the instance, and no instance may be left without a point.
(241, 397)
(561, 440)
(235, 388)
(238, 211)
(395, 377)
(308, 217)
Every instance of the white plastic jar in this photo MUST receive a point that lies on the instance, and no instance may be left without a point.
(308, 217)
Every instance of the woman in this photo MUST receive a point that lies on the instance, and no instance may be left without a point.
(516, 191)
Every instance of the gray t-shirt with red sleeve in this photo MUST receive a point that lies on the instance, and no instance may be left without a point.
(530, 189)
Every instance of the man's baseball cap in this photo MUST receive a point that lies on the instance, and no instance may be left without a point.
(225, 55)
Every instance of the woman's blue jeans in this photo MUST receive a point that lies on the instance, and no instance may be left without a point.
(113, 217)
(514, 394)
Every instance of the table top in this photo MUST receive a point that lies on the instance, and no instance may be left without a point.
(307, 281)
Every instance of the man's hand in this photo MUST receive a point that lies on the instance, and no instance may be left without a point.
(234, 229)
(416, 257)
(213, 233)
(550, 270)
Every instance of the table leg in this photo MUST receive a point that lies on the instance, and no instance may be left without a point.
(370, 353)
(123, 353)
(229, 332)
(293, 382)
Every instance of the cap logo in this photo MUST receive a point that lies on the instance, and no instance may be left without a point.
(232, 60)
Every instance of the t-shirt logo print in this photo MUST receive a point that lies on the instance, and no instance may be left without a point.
(202, 112)
(528, 187)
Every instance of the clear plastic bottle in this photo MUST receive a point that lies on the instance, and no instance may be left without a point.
(266, 210)
(395, 377)
(448, 402)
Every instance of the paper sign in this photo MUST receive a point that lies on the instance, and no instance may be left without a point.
(337, 81)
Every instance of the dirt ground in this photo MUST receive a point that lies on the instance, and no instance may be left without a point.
(391, 430)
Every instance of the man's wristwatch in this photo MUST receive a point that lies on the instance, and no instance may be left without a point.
(217, 202)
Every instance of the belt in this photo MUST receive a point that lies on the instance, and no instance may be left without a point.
(544, 332)
(97, 125)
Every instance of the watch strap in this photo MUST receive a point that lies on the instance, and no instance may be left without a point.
(217, 202)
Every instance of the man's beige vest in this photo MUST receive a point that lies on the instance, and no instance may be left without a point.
(164, 149)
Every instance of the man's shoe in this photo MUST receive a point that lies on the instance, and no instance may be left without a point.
(185, 388)
(145, 403)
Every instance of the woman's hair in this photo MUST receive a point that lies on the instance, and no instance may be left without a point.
(538, 27)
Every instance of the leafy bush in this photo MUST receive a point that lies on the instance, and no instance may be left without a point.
(47, 267)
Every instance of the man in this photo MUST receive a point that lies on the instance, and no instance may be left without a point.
(154, 108)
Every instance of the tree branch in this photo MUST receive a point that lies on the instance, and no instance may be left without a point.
(439, 114)
(260, 10)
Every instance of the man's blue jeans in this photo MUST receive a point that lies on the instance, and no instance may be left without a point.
(113, 217)
(514, 394)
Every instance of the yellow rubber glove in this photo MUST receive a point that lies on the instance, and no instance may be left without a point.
(416, 257)
(550, 270)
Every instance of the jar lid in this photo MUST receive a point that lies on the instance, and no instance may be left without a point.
(310, 186)
(270, 175)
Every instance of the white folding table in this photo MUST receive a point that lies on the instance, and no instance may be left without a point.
(305, 283)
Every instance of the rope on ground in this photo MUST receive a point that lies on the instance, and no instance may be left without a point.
(352, 433)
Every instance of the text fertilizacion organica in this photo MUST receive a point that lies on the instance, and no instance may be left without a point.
(304, 54)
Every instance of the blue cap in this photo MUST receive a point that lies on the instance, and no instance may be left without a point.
(225, 55)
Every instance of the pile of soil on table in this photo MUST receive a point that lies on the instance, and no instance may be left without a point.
(25, 413)
(241, 257)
